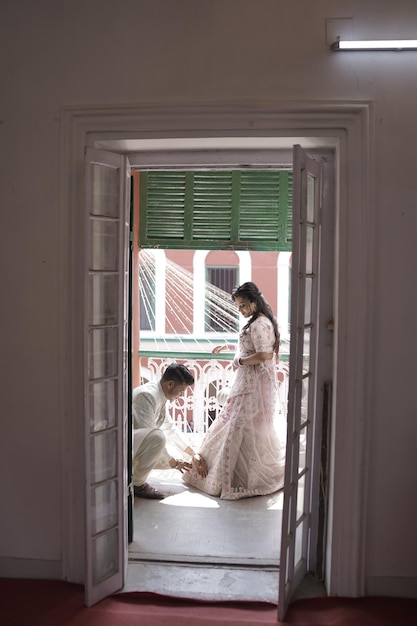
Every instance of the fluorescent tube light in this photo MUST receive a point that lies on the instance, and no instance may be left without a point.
(376, 44)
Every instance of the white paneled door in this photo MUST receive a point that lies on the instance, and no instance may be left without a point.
(298, 510)
(107, 360)
(106, 366)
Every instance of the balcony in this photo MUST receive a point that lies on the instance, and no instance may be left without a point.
(197, 409)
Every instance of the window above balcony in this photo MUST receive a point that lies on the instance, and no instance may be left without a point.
(236, 209)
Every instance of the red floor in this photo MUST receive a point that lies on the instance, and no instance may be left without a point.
(56, 603)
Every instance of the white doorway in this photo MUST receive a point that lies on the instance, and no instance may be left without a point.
(320, 309)
(94, 129)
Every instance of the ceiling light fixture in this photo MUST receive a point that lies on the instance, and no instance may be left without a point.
(375, 44)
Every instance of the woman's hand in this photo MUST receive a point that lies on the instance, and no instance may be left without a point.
(218, 349)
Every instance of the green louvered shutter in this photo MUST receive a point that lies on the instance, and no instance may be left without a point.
(212, 206)
(239, 209)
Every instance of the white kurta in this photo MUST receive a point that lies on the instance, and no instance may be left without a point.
(149, 412)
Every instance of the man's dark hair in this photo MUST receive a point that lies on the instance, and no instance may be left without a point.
(178, 373)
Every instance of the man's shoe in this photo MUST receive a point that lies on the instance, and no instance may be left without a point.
(146, 491)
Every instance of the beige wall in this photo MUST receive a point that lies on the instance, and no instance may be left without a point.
(193, 52)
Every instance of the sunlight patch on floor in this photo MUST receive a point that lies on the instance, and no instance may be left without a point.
(191, 500)
(276, 502)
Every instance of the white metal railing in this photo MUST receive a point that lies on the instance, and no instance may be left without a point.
(194, 412)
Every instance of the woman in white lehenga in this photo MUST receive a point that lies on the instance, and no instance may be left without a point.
(242, 453)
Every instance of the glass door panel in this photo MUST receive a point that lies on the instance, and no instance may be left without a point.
(103, 352)
(103, 405)
(104, 507)
(104, 245)
(104, 557)
(298, 553)
(302, 377)
(103, 305)
(105, 372)
(304, 400)
(103, 459)
(105, 187)
(307, 304)
(309, 249)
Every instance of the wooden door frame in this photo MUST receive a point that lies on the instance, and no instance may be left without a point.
(347, 127)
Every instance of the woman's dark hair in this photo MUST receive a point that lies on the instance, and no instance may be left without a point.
(178, 373)
(249, 291)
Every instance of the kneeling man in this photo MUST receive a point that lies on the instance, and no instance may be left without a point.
(152, 429)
